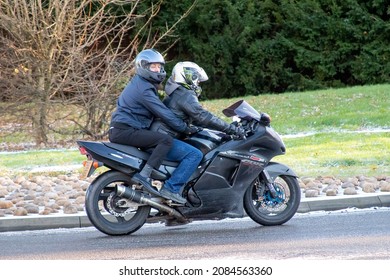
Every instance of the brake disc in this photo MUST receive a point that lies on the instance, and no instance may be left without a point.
(277, 203)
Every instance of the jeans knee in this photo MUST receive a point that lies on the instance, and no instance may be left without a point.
(197, 155)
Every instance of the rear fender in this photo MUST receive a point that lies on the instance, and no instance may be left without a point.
(112, 158)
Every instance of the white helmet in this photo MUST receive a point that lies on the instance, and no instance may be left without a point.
(189, 74)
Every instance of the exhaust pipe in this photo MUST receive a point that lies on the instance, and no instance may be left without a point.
(139, 197)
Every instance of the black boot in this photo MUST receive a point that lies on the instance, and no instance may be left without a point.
(146, 183)
(173, 196)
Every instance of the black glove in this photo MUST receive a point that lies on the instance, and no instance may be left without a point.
(237, 131)
(265, 119)
(190, 130)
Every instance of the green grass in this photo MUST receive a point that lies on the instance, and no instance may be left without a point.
(334, 116)
(340, 154)
(353, 108)
(29, 159)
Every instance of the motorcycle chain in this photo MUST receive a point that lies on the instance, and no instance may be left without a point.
(112, 211)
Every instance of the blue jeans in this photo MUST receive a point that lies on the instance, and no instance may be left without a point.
(189, 158)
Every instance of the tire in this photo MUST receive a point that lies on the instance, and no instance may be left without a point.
(262, 208)
(104, 208)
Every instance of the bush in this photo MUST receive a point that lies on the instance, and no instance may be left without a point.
(255, 47)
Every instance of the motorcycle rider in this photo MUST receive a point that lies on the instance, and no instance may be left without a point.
(137, 106)
(183, 91)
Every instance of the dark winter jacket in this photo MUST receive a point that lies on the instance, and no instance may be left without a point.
(139, 104)
(185, 104)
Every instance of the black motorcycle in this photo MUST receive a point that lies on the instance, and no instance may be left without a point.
(235, 178)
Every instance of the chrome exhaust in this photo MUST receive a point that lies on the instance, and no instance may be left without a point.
(139, 197)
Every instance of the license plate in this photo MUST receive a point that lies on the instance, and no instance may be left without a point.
(86, 170)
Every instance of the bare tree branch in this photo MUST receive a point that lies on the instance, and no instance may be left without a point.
(71, 54)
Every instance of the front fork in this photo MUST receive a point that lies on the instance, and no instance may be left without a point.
(269, 184)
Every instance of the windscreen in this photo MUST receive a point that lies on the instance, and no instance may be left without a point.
(242, 110)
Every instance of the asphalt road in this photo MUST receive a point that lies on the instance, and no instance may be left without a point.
(344, 235)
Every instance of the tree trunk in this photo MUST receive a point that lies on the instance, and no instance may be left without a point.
(39, 113)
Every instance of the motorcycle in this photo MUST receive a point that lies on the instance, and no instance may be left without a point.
(235, 178)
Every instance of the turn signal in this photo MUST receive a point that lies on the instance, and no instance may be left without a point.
(95, 164)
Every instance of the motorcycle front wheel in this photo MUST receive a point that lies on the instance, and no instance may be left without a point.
(109, 213)
(267, 210)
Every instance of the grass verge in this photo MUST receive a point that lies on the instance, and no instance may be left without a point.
(339, 154)
(334, 121)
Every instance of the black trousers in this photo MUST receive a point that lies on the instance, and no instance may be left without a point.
(144, 139)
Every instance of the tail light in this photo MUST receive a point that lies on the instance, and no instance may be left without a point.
(83, 151)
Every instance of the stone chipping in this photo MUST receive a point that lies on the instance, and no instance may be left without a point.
(47, 195)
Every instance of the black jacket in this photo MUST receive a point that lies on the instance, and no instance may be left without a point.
(185, 104)
(139, 104)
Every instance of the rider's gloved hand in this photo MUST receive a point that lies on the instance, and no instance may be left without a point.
(240, 132)
(265, 119)
(236, 131)
(190, 130)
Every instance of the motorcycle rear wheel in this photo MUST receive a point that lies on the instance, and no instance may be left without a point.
(266, 210)
(110, 213)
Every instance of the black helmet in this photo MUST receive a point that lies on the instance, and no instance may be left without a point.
(142, 64)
